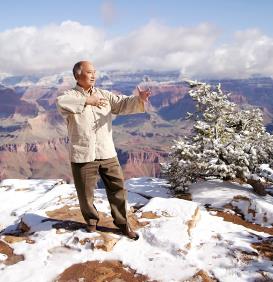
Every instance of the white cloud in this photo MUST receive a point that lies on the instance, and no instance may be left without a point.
(250, 53)
(54, 47)
(193, 50)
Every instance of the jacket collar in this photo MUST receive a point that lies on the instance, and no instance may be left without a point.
(85, 93)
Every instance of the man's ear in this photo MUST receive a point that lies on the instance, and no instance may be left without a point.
(77, 75)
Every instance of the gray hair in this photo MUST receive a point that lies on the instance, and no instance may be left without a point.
(77, 69)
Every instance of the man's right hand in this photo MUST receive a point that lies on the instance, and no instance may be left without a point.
(96, 101)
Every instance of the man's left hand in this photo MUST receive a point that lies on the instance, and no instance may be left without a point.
(144, 94)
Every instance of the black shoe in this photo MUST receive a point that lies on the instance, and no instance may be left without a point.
(127, 231)
(91, 228)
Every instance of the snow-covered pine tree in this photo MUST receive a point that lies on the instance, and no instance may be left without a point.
(226, 142)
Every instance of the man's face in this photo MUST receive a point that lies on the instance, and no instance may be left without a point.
(87, 78)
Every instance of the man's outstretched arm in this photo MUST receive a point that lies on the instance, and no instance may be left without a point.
(122, 104)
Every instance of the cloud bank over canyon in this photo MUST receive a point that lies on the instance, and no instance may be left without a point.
(196, 51)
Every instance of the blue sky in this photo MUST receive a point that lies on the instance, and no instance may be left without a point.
(225, 38)
(229, 15)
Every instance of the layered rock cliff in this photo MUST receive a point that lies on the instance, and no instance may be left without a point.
(33, 136)
(50, 159)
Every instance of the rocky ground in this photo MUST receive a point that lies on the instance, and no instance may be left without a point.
(203, 238)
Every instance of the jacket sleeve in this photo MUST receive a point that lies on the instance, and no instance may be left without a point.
(124, 105)
(70, 103)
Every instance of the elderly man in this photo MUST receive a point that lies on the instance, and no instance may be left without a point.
(88, 112)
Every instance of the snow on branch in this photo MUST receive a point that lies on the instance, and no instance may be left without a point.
(227, 142)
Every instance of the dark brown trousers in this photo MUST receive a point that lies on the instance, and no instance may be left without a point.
(85, 178)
